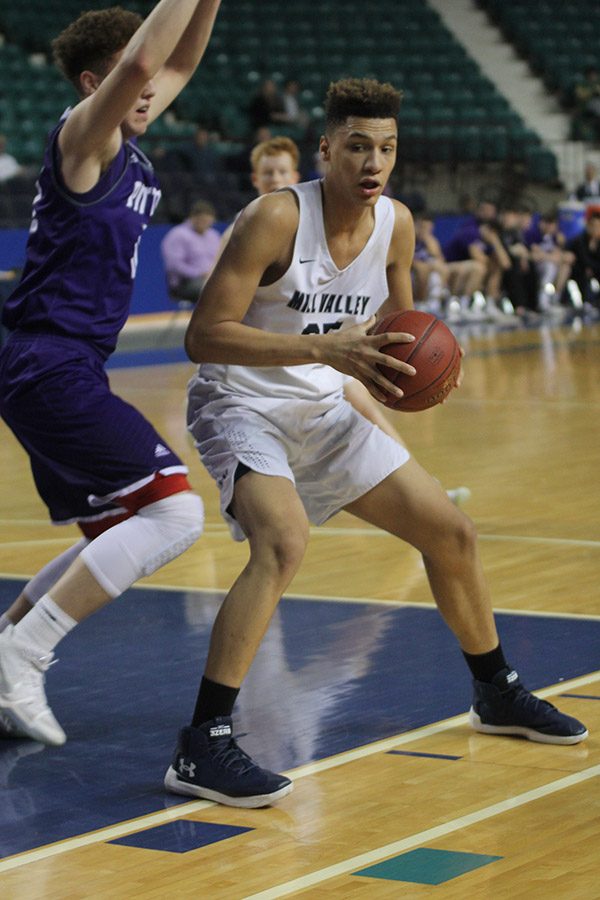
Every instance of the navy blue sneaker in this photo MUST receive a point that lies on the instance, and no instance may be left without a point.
(505, 707)
(208, 763)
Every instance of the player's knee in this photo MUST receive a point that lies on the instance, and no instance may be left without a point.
(180, 518)
(282, 549)
(461, 537)
(144, 542)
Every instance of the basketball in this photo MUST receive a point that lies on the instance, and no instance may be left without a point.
(434, 353)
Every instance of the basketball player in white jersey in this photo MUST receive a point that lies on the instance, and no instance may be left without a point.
(285, 315)
(274, 164)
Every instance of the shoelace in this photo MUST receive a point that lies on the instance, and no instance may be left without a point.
(228, 754)
(525, 698)
(41, 664)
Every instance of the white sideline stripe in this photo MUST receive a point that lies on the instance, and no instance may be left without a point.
(216, 529)
(430, 834)
(184, 809)
(328, 598)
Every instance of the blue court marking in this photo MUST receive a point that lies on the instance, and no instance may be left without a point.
(180, 836)
(426, 755)
(427, 866)
(151, 356)
(329, 677)
(582, 696)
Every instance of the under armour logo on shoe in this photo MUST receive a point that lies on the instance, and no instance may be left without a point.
(219, 731)
(188, 769)
(160, 450)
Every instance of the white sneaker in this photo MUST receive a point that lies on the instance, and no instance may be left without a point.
(24, 710)
(459, 495)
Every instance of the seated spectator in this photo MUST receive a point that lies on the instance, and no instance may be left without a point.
(479, 240)
(429, 267)
(295, 114)
(519, 281)
(586, 124)
(266, 107)
(552, 264)
(589, 189)
(585, 248)
(9, 167)
(189, 251)
(199, 154)
(239, 162)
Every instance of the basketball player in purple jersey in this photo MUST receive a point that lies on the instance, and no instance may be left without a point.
(94, 458)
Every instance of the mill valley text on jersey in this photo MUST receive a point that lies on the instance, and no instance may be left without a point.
(343, 304)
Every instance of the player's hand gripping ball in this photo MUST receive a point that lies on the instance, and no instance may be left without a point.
(434, 353)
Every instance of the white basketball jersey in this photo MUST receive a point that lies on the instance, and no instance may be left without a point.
(312, 297)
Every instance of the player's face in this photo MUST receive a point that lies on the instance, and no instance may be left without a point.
(360, 156)
(137, 119)
(274, 172)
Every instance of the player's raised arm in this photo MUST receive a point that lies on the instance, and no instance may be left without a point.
(120, 100)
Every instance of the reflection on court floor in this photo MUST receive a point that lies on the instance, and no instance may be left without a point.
(330, 676)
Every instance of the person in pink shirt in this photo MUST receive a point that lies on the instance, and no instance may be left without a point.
(189, 251)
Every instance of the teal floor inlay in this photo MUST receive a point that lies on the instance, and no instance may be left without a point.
(424, 866)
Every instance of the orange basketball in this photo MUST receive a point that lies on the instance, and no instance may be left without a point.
(434, 353)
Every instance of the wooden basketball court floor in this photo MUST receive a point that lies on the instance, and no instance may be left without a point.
(359, 691)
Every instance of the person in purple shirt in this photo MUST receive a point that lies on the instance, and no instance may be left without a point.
(189, 251)
(96, 461)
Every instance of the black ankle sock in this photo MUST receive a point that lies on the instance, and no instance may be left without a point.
(213, 700)
(484, 666)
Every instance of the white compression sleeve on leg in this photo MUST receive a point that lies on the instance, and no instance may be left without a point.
(139, 546)
(47, 577)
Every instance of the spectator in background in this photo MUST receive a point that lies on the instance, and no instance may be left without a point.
(267, 107)
(585, 248)
(589, 189)
(189, 251)
(479, 240)
(586, 126)
(9, 167)
(295, 115)
(519, 279)
(435, 279)
(552, 263)
(429, 267)
(199, 155)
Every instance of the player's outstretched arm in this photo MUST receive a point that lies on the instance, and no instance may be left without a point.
(92, 134)
(185, 58)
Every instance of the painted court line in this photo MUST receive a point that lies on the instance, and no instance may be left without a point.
(184, 809)
(422, 837)
(329, 598)
(217, 529)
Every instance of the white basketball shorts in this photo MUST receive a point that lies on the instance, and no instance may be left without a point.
(330, 452)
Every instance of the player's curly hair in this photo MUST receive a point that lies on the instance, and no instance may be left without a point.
(364, 97)
(273, 147)
(92, 40)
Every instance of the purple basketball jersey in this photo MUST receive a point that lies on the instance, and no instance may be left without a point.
(87, 447)
(82, 250)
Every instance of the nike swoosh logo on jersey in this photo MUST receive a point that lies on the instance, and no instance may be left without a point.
(306, 260)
